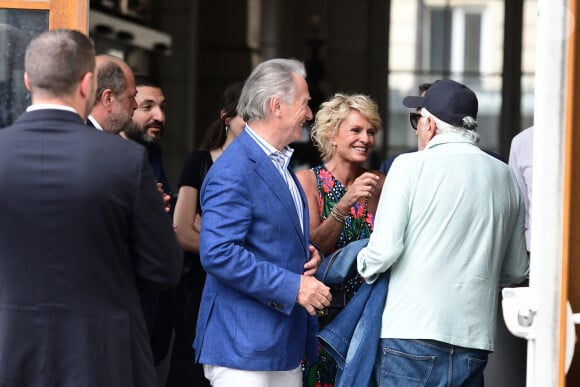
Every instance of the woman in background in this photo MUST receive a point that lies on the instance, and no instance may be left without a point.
(342, 198)
(187, 218)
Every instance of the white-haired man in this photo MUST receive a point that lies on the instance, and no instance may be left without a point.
(450, 226)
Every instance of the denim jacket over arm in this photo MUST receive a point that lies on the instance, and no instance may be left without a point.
(352, 337)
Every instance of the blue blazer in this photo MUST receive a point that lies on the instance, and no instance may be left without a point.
(253, 249)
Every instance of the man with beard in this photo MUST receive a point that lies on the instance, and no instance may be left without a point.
(112, 112)
(148, 125)
(115, 96)
(146, 128)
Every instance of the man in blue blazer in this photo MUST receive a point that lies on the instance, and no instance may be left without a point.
(256, 319)
(82, 226)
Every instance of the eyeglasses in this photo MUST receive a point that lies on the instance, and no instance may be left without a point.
(414, 118)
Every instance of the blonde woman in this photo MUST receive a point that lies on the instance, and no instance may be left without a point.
(342, 197)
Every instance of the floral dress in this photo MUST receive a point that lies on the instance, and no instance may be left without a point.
(358, 225)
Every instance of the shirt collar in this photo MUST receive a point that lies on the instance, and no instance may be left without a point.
(52, 106)
(445, 138)
(286, 154)
(95, 123)
(271, 151)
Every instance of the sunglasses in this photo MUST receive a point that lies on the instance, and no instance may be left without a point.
(414, 118)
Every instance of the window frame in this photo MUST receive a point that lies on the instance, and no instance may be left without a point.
(62, 13)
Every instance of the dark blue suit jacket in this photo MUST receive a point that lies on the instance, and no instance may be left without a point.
(81, 225)
(253, 249)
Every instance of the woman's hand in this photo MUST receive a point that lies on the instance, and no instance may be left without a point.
(364, 186)
(311, 266)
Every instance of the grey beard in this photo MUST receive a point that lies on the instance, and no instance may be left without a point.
(116, 125)
(145, 139)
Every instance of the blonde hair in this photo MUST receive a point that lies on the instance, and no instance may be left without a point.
(331, 114)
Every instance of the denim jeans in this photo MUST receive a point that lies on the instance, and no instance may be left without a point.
(428, 363)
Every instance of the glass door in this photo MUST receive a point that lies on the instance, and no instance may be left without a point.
(20, 22)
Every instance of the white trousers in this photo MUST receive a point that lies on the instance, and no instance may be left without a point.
(230, 377)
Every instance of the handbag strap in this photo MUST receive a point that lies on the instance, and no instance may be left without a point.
(328, 266)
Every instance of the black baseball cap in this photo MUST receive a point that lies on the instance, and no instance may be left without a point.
(447, 100)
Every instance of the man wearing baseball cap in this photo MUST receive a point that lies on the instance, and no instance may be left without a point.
(450, 226)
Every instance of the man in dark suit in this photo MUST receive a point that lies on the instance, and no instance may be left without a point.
(112, 112)
(254, 325)
(146, 127)
(82, 226)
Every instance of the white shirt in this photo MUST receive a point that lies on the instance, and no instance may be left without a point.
(95, 123)
(450, 224)
(43, 106)
(520, 160)
(281, 160)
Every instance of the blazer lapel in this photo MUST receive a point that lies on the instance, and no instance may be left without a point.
(268, 172)
(305, 213)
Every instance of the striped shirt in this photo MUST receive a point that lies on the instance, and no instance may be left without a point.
(281, 160)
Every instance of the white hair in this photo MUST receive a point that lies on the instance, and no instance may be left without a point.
(444, 127)
(272, 78)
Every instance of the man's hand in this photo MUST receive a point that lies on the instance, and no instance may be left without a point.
(313, 294)
(311, 266)
(166, 198)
